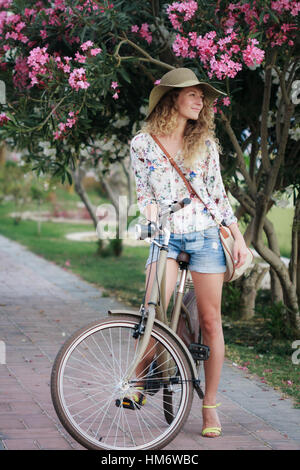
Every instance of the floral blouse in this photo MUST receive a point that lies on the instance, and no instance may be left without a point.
(157, 182)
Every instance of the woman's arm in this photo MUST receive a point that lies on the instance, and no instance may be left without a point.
(240, 247)
(218, 193)
(139, 163)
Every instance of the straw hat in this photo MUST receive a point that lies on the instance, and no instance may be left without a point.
(179, 78)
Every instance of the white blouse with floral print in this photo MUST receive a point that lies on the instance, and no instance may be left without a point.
(157, 182)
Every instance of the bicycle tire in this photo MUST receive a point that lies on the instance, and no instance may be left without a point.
(81, 381)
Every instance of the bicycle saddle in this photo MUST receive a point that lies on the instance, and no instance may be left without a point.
(183, 257)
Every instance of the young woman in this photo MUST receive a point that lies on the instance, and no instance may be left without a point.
(181, 116)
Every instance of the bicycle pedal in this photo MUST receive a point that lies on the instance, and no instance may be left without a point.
(127, 404)
(199, 352)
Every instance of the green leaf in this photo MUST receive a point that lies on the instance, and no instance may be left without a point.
(124, 75)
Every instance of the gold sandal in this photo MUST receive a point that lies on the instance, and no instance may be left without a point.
(214, 430)
(134, 402)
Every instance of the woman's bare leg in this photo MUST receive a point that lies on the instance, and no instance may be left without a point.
(208, 290)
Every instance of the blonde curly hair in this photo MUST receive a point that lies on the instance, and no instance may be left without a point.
(163, 121)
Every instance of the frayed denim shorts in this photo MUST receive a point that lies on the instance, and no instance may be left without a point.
(204, 247)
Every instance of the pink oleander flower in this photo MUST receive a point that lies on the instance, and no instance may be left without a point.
(134, 28)
(224, 67)
(188, 7)
(3, 119)
(226, 101)
(80, 58)
(21, 73)
(144, 33)
(252, 55)
(96, 51)
(86, 45)
(43, 34)
(37, 61)
(78, 80)
(181, 46)
(115, 96)
(114, 85)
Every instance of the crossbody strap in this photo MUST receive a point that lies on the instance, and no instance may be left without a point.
(192, 191)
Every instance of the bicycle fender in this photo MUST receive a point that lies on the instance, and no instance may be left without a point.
(167, 330)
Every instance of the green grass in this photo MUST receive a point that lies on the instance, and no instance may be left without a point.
(122, 276)
(248, 344)
(271, 365)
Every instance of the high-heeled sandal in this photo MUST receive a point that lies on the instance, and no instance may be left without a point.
(134, 402)
(213, 430)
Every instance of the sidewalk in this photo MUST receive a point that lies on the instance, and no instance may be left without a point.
(41, 305)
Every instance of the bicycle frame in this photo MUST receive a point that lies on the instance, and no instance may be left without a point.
(157, 314)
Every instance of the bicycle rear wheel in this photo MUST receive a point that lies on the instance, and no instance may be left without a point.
(87, 384)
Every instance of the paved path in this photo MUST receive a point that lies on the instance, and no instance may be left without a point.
(40, 305)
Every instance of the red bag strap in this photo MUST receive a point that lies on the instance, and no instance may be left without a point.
(192, 191)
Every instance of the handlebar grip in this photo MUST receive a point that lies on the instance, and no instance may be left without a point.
(145, 231)
(180, 204)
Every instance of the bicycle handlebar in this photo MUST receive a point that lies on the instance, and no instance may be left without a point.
(149, 230)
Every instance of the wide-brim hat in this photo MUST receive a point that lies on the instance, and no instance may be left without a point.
(179, 78)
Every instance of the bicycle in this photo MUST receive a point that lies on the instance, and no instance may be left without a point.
(95, 368)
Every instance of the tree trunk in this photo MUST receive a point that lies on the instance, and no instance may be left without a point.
(294, 265)
(276, 289)
(78, 175)
(249, 286)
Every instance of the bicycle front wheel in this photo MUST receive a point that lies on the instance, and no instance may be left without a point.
(88, 384)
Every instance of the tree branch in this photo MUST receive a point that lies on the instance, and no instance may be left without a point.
(147, 57)
(240, 156)
(265, 110)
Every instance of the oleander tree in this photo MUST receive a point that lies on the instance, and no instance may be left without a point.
(71, 67)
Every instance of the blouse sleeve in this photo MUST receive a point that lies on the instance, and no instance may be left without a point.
(216, 188)
(139, 164)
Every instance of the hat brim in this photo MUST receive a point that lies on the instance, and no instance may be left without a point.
(159, 91)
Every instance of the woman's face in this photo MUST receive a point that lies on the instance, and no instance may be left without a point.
(190, 102)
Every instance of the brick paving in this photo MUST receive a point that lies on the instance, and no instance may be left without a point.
(41, 305)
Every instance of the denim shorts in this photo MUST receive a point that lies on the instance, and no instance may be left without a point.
(204, 247)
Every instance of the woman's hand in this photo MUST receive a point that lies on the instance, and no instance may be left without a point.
(240, 249)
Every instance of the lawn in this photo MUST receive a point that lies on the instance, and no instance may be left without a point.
(248, 345)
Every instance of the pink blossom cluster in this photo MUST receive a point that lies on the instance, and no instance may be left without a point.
(77, 79)
(223, 67)
(286, 5)
(3, 119)
(39, 60)
(37, 63)
(234, 14)
(21, 73)
(64, 66)
(187, 8)
(65, 126)
(252, 55)
(274, 31)
(223, 57)
(115, 85)
(219, 56)
(89, 49)
(278, 38)
(14, 25)
(143, 32)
